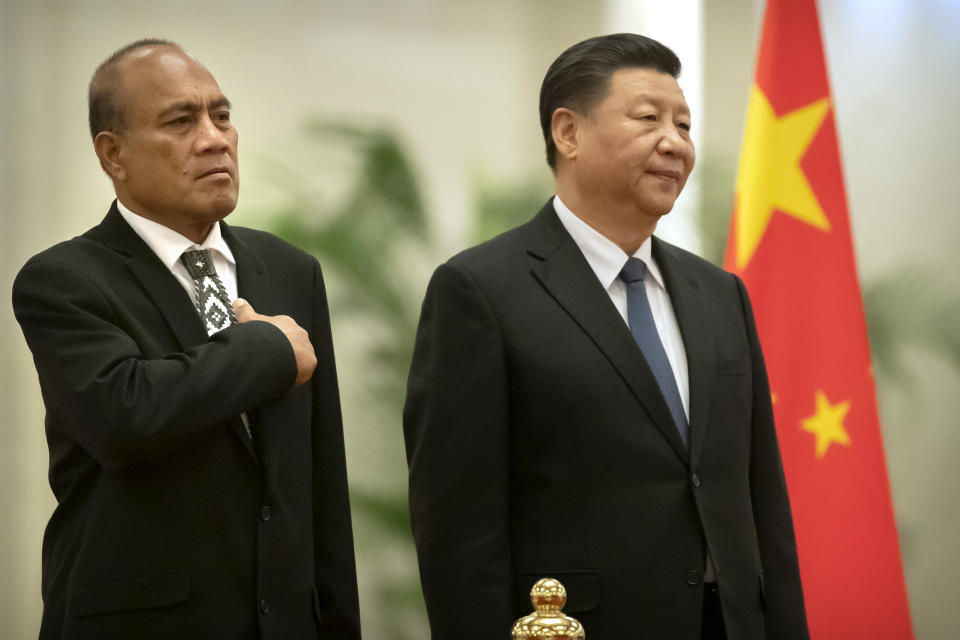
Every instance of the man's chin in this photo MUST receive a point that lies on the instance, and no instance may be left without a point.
(655, 212)
(218, 207)
(658, 208)
(654, 203)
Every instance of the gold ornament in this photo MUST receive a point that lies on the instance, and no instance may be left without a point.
(547, 621)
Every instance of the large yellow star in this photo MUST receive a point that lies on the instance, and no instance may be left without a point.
(827, 424)
(770, 175)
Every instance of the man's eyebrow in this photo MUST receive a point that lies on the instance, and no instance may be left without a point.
(222, 101)
(183, 105)
(682, 107)
(190, 105)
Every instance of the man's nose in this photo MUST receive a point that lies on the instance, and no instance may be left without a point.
(210, 137)
(672, 142)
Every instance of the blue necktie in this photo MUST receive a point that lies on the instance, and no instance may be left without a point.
(644, 331)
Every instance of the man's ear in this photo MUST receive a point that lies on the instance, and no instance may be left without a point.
(564, 126)
(107, 145)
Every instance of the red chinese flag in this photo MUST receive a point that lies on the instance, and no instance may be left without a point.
(790, 242)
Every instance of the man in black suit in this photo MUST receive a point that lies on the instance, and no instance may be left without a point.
(198, 463)
(549, 436)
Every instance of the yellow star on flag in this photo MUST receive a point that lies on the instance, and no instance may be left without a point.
(827, 424)
(770, 176)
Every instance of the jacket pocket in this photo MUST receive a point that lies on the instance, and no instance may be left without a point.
(583, 587)
(148, 591)
(733, 366)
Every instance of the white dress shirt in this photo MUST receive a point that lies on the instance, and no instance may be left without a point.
(607, 260)
(170, 245)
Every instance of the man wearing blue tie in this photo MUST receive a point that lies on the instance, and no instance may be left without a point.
(589, 403)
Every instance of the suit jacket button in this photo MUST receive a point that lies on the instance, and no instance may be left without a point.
(266, 514)
(695, 479)
(264, 607)
(693, 577)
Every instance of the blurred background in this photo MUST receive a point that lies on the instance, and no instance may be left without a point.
(386, 135)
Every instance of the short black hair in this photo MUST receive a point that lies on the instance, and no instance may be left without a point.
(580, 77)
(105, 112)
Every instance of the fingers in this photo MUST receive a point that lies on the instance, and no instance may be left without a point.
(299, 339)
(302, 347)
(244, 310)
(306, 363)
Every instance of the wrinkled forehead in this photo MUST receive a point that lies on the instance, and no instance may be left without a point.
(635, 84)
(155, 59)
(155, 75)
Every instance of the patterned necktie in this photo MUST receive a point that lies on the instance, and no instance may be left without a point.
(211, 297)
(644, 331)
(211, 301)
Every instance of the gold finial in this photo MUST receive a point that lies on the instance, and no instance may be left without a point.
(547, 621)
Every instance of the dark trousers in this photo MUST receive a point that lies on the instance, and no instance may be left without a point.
(712, 626)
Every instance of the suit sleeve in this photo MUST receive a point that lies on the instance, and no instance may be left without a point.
(456, 428)
(334, 562)
(783, 594)
(121, 406)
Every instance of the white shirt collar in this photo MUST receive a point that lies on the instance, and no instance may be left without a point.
(170, 245)
(602, 254)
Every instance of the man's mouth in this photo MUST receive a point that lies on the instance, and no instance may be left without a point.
(215, 171)
(665, 174)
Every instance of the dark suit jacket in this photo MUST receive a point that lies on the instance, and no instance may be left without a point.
(540, 445)
(170, 522)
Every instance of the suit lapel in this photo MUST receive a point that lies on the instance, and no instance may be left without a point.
(252, 287)
(563, 271)
(690, 308)
(251, 273)
(158, 283)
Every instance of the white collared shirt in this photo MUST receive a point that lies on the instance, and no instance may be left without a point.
(170, 245)
(607, 260)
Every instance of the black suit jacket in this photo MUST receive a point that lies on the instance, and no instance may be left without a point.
(540, 445)
(170, 522)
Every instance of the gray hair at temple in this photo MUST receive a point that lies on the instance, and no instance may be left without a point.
(105, 111)
(580, 77)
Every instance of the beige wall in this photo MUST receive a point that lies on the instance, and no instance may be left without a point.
(459, 81)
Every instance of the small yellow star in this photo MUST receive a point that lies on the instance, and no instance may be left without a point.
(770, 176)
(827, 424)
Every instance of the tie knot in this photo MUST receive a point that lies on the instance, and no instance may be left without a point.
(199, 263)
(633, 271)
